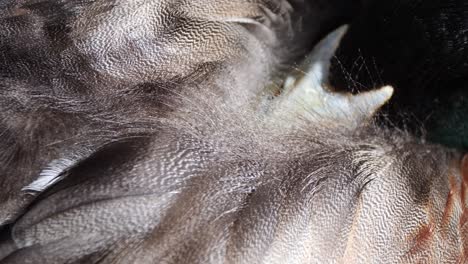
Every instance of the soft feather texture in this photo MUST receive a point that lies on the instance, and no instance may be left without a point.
(76, 75)
(216, 184)
(176, 159)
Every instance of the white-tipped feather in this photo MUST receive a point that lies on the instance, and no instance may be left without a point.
(53, 173)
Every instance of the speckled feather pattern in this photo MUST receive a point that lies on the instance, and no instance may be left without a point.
(156, 102)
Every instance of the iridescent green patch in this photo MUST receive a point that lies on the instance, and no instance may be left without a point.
(449, 125)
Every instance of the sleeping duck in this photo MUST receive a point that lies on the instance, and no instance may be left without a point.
(209, 132)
